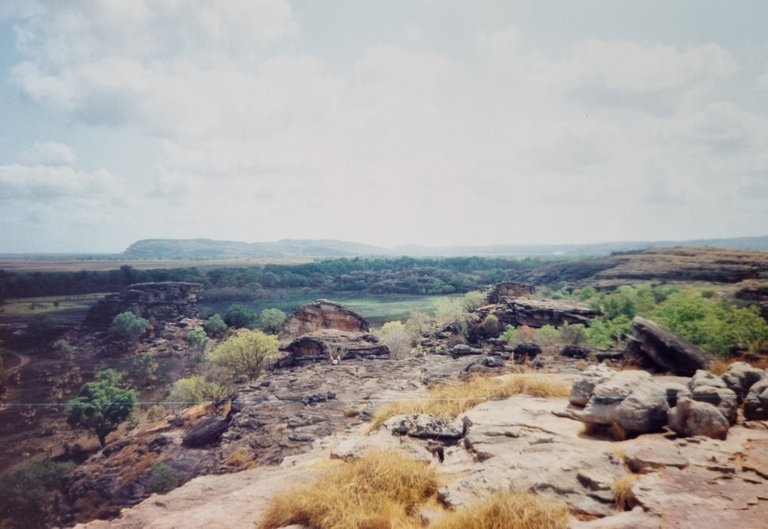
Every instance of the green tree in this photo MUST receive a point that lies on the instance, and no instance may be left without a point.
(215, 326)
(128, 326)
(196, 389)
(198, 342)
(270, 320)
(102, 405)
(246, 353)
(163, 478)
(240, 316)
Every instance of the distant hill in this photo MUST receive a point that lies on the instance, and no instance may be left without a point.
(214, 249)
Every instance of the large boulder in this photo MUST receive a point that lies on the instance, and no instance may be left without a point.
(161, 301)
(723, 399)
(423, 426)
(691, 418)
(509, 289)
(630, 400)
(582, 387)
(741, 376)
(665, 349)
(320, 315)
(206, 432)
(756, 402)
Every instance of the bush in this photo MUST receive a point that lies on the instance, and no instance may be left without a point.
(215, 326)
(128, 326)
(508, 510)
(240, 316)
(573, 334)
(270, 320)
(196, 389)
(608, 333)
(26, 494)
(163, 478)
(510, 335)
(394, 335)
(246, 353)
(490, 325)
(417, 323)
(198, 341)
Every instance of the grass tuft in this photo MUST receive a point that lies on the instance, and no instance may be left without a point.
(451, 400)
(381, 490)
(622, 491)
(508, 510)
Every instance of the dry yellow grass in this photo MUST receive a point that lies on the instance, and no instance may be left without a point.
(450, 400)
(240, 458)
(622, 491)
(719, 366)
(508, 510)
(381, 490)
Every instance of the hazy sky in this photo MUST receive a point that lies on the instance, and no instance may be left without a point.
(385, 122)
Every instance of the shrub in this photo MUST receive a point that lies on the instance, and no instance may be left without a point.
(508, 510)
(622, 491)
(163, 478)
(382, 489)
(270, 320)
(417, 323)
(608, 333)
(548, 336)
(246, 353)
(393, 335)
(26, 494)
(573, 334)
(102, 405)
(474, 299)
(196, 389)
(214, 326)
(527, 334)
(198, 342)
(490, 325)
(128, 326)
(240, 316)
(510, 335)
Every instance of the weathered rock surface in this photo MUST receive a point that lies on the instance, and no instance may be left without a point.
(427, 427)
(323, 345)
(741, 376)
(704, 378)
(691, 418)
(320, 315)
(651, 455)
(576, 351)
(665, 349)
(631, 400)
(537, 312)
(206, 432)
(723, 399)
(526, 350)
(756, 402)
(508, 290)
(584, 385)
(161, 301)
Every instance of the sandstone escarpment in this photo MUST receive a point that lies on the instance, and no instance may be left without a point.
(322, 314)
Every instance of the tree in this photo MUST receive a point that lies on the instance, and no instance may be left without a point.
(128, 326)
(214, 326)
(270, 320)
(26, 494)
(241, 316)
(246, 353)
(198, 342)
(102, 405)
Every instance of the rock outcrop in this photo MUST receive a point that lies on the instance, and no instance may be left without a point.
(537, 312)
(756, 402)
(755, 295)
(665, 349)
(508, 290)
(161, 302)
(691, 418)
(320, 315)
(325, 345)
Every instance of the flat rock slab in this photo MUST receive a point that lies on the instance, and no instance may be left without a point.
(756, 457)
(653, 454)
(694, 498)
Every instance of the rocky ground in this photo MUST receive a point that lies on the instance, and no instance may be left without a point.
(522, 443)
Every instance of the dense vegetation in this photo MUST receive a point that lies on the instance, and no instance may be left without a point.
(403, 275)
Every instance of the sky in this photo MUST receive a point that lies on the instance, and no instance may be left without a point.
(436, 122)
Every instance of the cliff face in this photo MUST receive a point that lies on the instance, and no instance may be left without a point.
(163, 302)
(322, 314)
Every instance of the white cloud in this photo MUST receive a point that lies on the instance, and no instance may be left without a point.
(405, 143)
(48, 153)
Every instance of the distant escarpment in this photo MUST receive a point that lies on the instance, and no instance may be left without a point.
(716, 265)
